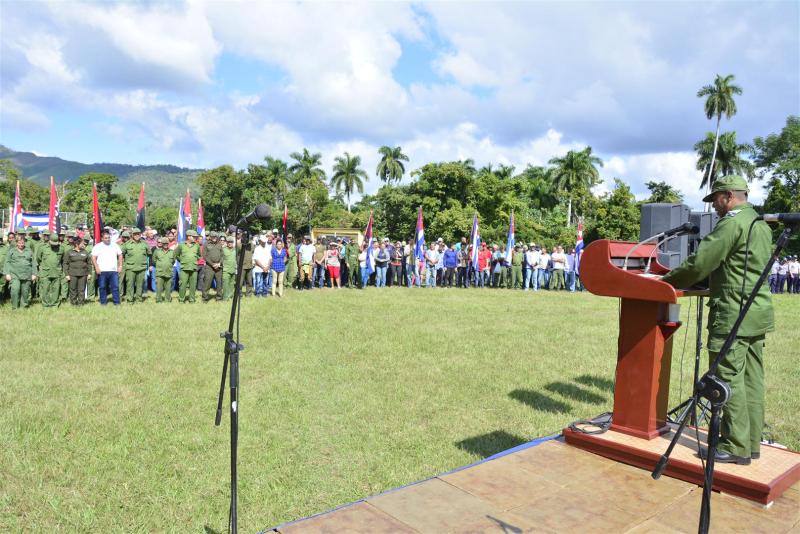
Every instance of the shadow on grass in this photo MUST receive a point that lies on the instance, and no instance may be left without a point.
(209, 530)
(596, 381)
(491, 443)
(575, 393)
(538, 401)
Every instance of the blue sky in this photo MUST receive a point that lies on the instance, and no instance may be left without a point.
(205, 83)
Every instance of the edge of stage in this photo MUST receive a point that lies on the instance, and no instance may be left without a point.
(548, 485)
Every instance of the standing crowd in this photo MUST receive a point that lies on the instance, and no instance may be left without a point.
(785, 276)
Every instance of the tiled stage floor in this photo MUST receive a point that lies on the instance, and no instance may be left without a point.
(551, 487)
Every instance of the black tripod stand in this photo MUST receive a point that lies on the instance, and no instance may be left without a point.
(232, 349)
(673, 416)
(717, 393)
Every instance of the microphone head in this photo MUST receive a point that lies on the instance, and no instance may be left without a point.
(694, 229)
(263, 211)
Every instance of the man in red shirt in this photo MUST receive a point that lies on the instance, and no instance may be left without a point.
(484, 264)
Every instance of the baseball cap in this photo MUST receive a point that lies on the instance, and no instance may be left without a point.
(727, 183)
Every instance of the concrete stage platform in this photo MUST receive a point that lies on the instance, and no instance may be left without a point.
(551, 487)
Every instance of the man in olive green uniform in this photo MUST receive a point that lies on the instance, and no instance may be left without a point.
(516, 269)
(721, 258)
(247, 269)
(351, 253)
(187, 254)
(65, 238)
(229, 268)
(163, 262)
(212, 254)
(124, 237)
(91, 280)
(4, 246)
(20, 270)
(291, 262)
(50, 259)
(77, 266)
(135, 253)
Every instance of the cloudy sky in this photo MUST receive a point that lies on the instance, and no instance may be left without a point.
(205, 83)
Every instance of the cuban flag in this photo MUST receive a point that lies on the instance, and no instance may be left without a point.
(510, 242)
(419, 246)
(201, 221)
(475, 237)
(36, 220)
(16, 220)
(579, 247)
(368, 240)
(181, 223)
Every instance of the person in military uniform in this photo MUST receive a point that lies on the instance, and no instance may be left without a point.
(351, 253)
(291, 262)
(135, 253)
(247, 267)
(4, 246)
(162, 262)
(49, 259)
(212, 254)
(77, 266)
(124, 237)
(515, 281)
(20, 270)
(187, 254)
(91, 280)
(65, 238)
(228, 268)
(721, 258)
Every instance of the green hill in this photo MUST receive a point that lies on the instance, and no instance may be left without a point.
(164, 183)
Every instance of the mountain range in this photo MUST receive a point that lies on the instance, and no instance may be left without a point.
(164, 183)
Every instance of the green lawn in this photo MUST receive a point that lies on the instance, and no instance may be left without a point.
(106, 415)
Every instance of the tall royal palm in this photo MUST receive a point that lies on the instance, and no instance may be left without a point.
(576, 170)
(306, 167)
(279, 178)
(348, 176)
(728, 155)
(719, 102)
(390, 167)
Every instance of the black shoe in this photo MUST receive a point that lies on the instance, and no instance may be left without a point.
(755, 455)
(725, 458)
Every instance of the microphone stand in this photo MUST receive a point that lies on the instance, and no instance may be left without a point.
(717, 393)
(232, 348)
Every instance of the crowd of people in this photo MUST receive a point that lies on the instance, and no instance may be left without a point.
(785, 276)
(129, 264)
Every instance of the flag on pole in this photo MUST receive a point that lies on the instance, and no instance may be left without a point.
(140, 210)
(368, 240)
(475, 237)
(181, 223)
(579, 247)
(201, 220)
(16, 220)
(98, 219)
(419, 246)
(285, 220)
(52, 213)
(510, 241)
(187, 210)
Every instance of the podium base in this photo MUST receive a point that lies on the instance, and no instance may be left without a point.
(763, 481)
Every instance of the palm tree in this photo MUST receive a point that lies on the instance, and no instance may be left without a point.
(306, 167)
(574, 171)
(719, 101)
(347, 175)
(505, 172)
(279, 178)
(728, 154)
(391, 165)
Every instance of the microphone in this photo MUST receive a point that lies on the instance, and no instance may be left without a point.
(261, 212)
(685, 228)
(790, 218)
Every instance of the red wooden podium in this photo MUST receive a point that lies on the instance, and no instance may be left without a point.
(648, 318)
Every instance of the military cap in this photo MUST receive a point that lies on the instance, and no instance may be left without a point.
(163, 241)
(125, 234)
(727, 183)
(61, 231)
(231, 239)
(31, 230)
(70, 233)
(54, 240)
(87, 237)
(191, 233)
(135, 230)
(212, 233)
(46, 232)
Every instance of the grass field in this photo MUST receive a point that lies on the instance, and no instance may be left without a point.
(107, 414)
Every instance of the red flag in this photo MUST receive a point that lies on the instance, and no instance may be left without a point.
(98, 219)
(140, 210)
(285, 218)
(201, 220)
(53, 212)
(187, 209)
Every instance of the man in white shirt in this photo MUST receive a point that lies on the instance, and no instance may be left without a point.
(107, 261)
(532, 274)
(305, 258)
(261, 258)
(544, 274)
(794, 276)
(559, 264)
